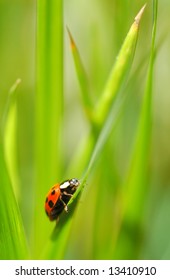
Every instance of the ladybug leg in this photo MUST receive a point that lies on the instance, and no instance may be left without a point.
(68, 194)
(65, 205)
(66, 208)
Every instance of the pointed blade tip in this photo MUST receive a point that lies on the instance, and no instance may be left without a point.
(139, 15)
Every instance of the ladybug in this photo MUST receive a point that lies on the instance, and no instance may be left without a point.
(59, 196)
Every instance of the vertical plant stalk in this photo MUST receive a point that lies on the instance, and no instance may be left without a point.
(48, 108)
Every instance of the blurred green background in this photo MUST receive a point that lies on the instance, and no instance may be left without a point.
(99, 28)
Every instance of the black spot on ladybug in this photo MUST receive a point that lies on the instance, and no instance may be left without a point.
(53, 192)
(50, 203)
(46, 199)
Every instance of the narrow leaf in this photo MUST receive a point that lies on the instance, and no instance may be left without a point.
(48, 108)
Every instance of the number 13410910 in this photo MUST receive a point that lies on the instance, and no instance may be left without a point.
(132, 270)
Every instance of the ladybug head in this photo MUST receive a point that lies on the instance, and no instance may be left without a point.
(74, 182)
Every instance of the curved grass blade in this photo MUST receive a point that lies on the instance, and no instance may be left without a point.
(104, 107)
(114, 113)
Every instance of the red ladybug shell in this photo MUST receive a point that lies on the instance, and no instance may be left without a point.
(51, 199)
(58, 198)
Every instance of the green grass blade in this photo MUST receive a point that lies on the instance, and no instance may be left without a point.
(82, 77)
(49, 107)
(136, 186)
(118, 73)
(12, 237)
(131, 198)
(9, 130)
